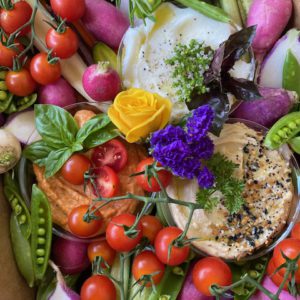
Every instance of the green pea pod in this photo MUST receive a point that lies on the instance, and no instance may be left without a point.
(291, 73)
(41, 236)
(102, 52)
(4, 104)
(206, 9)
(18, 205)
(283, 130)
(25, 102)
(22, 250)
(256, 270)
(295, 144)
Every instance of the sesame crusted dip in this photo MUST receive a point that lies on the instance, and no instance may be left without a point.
(268, 196)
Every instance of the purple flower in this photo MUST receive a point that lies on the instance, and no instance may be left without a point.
(200, 122)
(167, 135)
(203, 148)
(205, 178)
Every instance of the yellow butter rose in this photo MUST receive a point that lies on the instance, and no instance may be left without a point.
(137, 113)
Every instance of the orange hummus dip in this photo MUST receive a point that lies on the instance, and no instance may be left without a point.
(63, 196)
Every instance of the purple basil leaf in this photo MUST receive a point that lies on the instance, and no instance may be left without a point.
(242, 89)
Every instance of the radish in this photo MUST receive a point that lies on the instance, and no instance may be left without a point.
(59, 93)
(271, 74)
(101, 82)
(106, 22)
(274, 104)
(271, 17)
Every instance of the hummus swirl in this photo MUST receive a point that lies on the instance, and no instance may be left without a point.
(268, 196)
(63, 196)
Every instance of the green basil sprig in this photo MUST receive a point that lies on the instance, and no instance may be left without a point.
(61, 136)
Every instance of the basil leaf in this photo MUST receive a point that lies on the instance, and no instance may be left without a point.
(37, 152)
(56, 126)
(93, 125)
(56, 160)
(101, 136)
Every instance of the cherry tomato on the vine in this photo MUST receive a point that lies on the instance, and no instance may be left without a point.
(74, 169)
(151, 227)
(276, 277)
(98, 287)
(101, 248)
(64, 44)
(68, 9)
(14, 18)
(81, 228)
(43, 71)
(296, 231)
(291, 248)
(113, 154)
(209, 271)
(162, 242)
(116, 236)
(7, 54)
(146, 263)
(163, 175)
(106, 182)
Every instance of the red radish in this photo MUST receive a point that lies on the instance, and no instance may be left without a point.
(58, 93)
(101, 82)
(271, 17)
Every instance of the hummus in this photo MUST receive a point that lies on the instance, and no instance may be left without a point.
(63, 196)
(268, 197)
(146, 47)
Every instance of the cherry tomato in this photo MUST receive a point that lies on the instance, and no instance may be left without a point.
(74, 168)
(7, 54)
(43, 71)
(142, 180)
(112, 154)
(151, 227)
(275, 277)
(81, 228)
(64, 44)
(107, 182)
(115, 233)
(296, 231)
(20, 83)
(291, 248)
(16, 17)
(162, 242)
(98, 287)
(68, 9)
(146, 263)
(101, 248)
(209, 271)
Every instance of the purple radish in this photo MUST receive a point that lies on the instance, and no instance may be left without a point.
(271, 18)
(101, 82)
(59, 93)
(274, 104)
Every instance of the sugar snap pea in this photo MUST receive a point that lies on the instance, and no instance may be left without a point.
(283, 130)
(41, 235)
(22, 250)
(291, 73)
(12, 194)
(255, 269)
(295, 144)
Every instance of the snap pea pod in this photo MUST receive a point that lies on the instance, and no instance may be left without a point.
(291, 73)
(22, 250)
(41, 235)
(206, 9)
(283, 130)
(12, 194)
(18, 104)
(295, 144)
(256, 270)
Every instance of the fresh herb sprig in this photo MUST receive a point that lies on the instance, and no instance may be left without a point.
(61, 136)
(230, 187)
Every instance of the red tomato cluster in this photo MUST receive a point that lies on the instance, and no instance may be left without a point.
(44, 68)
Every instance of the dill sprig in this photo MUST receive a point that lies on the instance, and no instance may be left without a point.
(230, 187)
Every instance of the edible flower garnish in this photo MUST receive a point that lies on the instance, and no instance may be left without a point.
(137, 113)
(184, 151)
(190, 62)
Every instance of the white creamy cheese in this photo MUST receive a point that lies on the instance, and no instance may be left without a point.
(146, 47)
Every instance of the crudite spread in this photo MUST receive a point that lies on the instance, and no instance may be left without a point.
(146, 48)
(268, 195)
